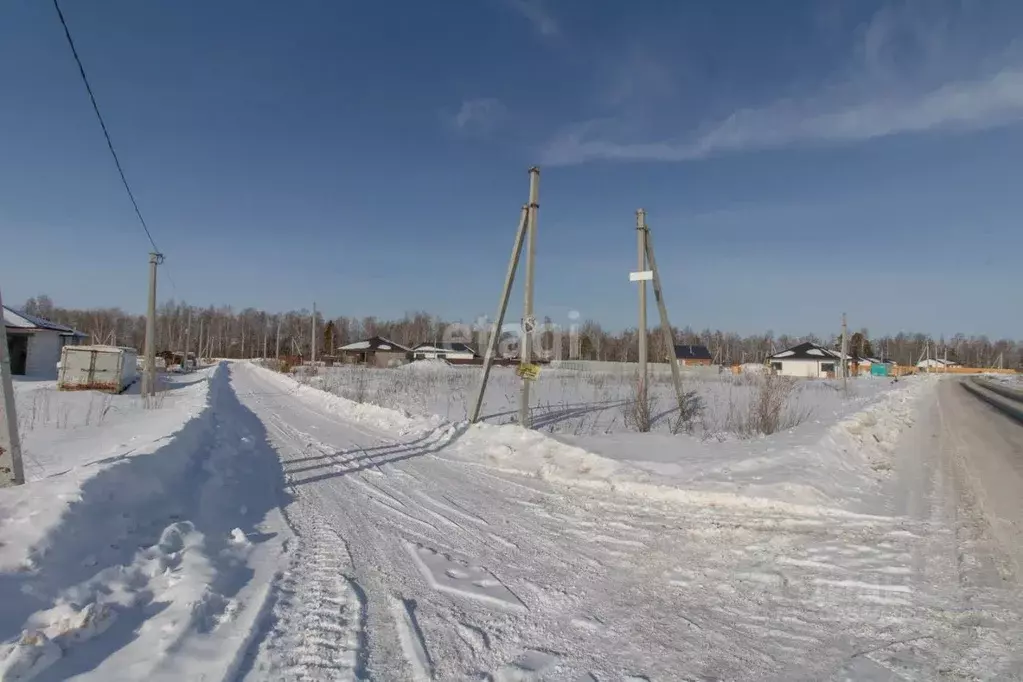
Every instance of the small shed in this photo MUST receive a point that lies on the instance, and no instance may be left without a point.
(376, 351)
(690, 356)
(34, 345)
(444, 351)
(806, 360)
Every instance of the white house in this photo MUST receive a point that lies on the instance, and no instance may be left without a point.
(806, 360)
(935, 364)
(443, 351)
(34, 344)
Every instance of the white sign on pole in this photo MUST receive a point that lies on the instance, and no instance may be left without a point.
(643, 276)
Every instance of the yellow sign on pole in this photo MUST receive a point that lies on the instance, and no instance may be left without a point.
(528, 372)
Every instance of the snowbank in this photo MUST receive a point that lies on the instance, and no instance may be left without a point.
(154, 564)
(386, 418)
(839, 464)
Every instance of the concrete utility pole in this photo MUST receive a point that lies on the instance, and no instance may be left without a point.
(502, 308)
(641, 268)
(12, 470)
(188, 342)
(528, 320)
(312, 353)
(278, 347)
(845, 368)
(149, 377)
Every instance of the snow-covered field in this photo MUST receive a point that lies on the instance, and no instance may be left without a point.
(591, 403)
(255, 527)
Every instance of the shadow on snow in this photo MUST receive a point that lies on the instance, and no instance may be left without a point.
(218, 471)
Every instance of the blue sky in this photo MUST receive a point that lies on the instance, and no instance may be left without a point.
(796, 159)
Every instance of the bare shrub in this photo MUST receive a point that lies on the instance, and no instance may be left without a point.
(638, 411)
(769, 399)
(767, 411)
(98, 410)
(691, 410)
(360, 386)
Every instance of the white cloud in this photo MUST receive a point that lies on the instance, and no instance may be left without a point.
(993, 101)
(537, 15)
(909, 74)
(479, 116)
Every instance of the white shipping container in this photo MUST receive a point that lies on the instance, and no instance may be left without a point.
(101, 368)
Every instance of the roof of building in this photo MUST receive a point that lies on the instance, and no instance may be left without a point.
(684, 352)
(445, 347)
(806, 351)
(20, 320)
(374, 343)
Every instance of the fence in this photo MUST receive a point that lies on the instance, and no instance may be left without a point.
(966, 370)
(631, 368)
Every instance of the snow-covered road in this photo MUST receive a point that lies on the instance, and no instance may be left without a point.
(411, 563)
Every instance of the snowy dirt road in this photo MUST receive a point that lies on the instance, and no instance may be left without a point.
(411, 564)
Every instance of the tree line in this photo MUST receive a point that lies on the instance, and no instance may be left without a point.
(222, 331)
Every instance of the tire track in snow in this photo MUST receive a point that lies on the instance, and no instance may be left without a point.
(318, 621)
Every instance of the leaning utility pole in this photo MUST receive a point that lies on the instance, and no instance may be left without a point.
(662, 309)
(502, 308)
(526, 229)
(528, 319)
(12, 471)
(312, 352)
(642, 275)
(149, 377)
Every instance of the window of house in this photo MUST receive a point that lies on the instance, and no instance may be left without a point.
(828, 367)
(776, 366)
(441, 356)
(420, 356)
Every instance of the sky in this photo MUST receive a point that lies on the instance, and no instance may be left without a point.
(796, 159)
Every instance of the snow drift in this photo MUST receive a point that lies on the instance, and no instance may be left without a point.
(159, 559)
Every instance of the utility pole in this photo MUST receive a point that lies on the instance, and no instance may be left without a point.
(199, 353)
(502, 308)
(278, 347)
(266, 333)
(845, 369)
(149, 378)
(662, 309)
(188, 342)
(641, 269)
(528, 319)
(312, 353)
(12, 470)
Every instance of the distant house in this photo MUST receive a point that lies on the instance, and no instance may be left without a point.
(690, 356)
(376, 351)
(936, 364)
(444, 351)
(806, 360)
(34, 344)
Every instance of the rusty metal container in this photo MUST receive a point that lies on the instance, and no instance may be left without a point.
(99, 368)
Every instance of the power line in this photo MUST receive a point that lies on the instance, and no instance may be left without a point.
(103, 125)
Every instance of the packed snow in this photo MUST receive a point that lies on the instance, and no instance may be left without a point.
(249, 526)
